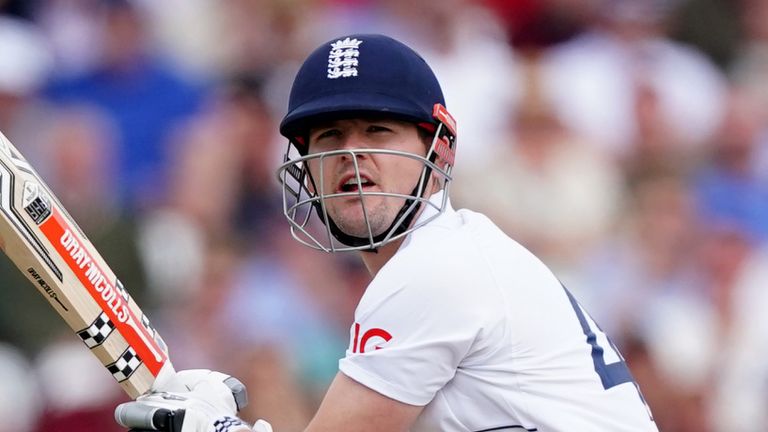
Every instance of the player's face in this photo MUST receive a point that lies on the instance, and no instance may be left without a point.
(378, 172)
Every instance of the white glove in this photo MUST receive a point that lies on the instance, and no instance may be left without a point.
(210, 405)
(262, 426)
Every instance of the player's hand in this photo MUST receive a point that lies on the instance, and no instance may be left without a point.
(210, 404)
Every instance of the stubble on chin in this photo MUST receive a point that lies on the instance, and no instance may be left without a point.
(352, 221)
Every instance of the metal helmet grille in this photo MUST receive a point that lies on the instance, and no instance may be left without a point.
(305, 202)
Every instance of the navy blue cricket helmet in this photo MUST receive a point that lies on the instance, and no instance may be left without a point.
(362, 73)
(355, 76)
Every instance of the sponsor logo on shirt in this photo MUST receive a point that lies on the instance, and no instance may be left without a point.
(372, 339)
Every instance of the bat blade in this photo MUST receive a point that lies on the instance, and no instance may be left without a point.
(48, 247)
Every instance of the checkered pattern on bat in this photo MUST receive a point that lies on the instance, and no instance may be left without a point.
(99, 330)
(125, 366)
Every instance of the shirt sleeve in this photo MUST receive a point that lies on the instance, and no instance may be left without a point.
(407, 341)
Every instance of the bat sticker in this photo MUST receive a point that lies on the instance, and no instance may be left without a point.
(36, 202)
(6, 206)
(58, 231)
(97, 332)
(125, 366)
(46, 287)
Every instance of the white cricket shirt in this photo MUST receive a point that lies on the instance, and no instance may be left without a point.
(468, 323)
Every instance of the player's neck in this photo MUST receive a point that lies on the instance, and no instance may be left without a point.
(374, 261)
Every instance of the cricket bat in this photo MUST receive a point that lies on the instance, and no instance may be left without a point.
(43, 241)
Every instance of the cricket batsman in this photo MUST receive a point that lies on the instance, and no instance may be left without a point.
(461, 328)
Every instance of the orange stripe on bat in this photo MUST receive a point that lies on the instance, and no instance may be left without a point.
(64, 238)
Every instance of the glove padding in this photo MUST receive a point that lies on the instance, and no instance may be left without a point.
(210, 405)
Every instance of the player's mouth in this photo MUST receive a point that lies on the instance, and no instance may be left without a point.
(349, 183)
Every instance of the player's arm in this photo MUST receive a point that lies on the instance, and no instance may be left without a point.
(209, 406)
(351, 406)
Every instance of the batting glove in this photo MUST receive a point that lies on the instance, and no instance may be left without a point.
(210, 405)
(262, 426)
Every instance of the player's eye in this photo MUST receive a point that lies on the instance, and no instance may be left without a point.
(327, 134)
(378, 128)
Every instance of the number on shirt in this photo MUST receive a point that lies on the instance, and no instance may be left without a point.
(611, 374)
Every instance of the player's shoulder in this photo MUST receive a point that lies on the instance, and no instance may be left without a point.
(464, 252)
(498, 261)
(445, 247)
(476, 242)
(436, 263)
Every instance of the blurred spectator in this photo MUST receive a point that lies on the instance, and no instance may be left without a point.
(38, 325)
(282, 400)
(712, 26)
(751, 63)
(535, 24)
(22, 120)
(646, 257)
(656, 147)
(23, 117)
(293, 321)
(190, 34)
(143, 95)
(258, 35)
(740, 392)
(78, 392)
(221, 188)
(74, 29)
(210, 38)
(203, 188)
(23, 43)
(691, 333)
(673, 410)
(466, 47)
(19, 394)
(251, 129)
(730, 189)
(594, 78)
(749, 70)
(543, 158)
(623, 284)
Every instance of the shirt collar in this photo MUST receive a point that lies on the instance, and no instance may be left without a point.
(433, 208)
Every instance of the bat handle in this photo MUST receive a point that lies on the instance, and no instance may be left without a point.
(140, 417)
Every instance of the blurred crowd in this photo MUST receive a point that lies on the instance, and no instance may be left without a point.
(623, 141)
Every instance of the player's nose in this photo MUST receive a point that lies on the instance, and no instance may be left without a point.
(353, 141)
